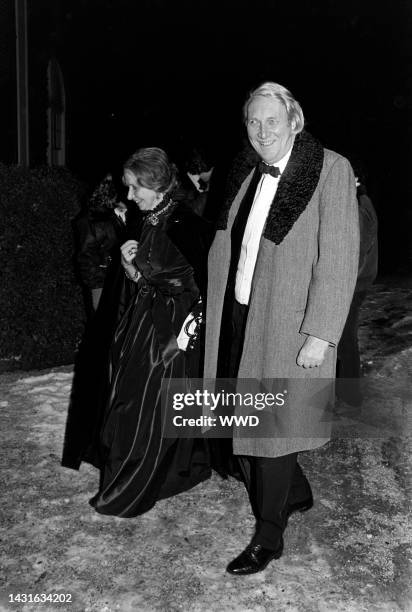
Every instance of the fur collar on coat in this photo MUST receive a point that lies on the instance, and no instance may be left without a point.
(296, 186)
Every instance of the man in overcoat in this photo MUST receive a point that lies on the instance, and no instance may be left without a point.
(282, 271)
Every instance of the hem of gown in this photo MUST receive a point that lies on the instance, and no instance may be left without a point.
(74, 463)
(189, 485)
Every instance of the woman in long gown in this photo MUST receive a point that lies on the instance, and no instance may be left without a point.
(168, 265)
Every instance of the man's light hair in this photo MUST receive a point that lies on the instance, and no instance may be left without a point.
(292, 106)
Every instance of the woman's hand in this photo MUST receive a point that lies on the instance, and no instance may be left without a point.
(128, 251)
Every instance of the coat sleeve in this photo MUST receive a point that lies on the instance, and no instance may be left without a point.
(335, 271)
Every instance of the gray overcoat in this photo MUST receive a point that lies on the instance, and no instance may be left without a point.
(302, 285)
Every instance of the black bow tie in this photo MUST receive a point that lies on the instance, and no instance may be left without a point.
(272, 170)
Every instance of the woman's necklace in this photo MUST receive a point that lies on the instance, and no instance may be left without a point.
(153, 216)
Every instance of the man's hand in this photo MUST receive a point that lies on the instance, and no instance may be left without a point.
(312, 353)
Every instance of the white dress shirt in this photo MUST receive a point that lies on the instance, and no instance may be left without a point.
(120, 213)
(265, 192)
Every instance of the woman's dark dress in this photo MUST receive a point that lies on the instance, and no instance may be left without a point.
(139, 465)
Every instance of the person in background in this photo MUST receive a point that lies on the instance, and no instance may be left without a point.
(99, 230)
(199, 170)
(348, 366)
(194, 172)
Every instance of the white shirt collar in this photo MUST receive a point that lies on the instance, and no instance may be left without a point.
(121, 213)
(281, 164)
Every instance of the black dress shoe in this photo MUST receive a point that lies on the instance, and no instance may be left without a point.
(301, 506)
(254, 559)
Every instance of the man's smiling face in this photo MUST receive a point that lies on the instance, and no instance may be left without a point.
(268, 128)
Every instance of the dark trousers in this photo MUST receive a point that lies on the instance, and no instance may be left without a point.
(272, 482)
(231, 340)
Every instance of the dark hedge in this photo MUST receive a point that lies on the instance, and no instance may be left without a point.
(41, 307)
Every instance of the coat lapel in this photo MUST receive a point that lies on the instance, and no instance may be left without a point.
(296, 186)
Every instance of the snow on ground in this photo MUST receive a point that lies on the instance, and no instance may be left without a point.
(351, 552)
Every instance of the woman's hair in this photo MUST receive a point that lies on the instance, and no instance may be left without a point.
(152, 169)
(274, 90)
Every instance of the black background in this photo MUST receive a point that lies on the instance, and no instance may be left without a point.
(169, 73)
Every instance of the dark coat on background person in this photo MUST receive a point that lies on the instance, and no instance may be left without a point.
(368, 233)
(101, 243)
(348, 371)
(302, 285)
(98, 230)
(187, 192)
(98, 235)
